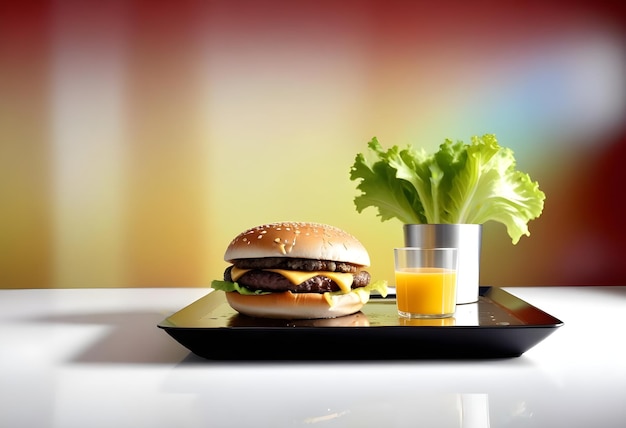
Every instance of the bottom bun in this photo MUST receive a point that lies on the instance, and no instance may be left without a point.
(288, 305)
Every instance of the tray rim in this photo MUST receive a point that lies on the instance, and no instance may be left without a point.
(199, 306)
(373, 342)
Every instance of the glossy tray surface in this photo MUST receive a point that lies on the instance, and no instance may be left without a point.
(499, 325)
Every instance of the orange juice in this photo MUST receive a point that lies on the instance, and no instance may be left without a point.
(426, 292)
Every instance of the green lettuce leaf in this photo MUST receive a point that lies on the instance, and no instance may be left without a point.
(379, 286)
(233, 286)
(460, 183)
(381, 188)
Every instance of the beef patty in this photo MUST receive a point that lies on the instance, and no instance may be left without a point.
(288, 263)
(256, 279)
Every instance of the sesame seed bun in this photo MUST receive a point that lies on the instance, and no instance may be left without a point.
(298, 240)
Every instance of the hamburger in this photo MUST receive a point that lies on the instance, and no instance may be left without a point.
(297, 270)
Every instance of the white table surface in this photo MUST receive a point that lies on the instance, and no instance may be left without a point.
(95, 358)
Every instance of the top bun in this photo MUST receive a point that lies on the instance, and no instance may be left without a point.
(298, 240)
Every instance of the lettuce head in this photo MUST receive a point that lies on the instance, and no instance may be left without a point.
(460, 183)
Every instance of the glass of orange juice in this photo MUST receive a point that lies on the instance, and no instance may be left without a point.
(426, 282)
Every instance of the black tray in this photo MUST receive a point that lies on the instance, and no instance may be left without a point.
(499, 325)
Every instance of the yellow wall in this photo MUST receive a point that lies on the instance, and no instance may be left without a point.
(137, 138)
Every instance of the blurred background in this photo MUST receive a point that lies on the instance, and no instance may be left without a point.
(138, 137)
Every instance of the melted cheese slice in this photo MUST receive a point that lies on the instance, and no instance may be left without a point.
(343, 280)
